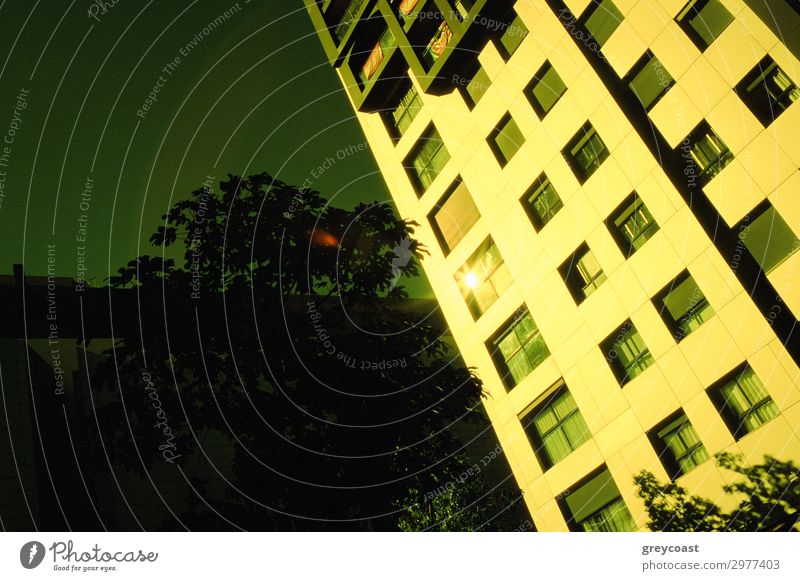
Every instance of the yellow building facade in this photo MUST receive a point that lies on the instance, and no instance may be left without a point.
(610, 195)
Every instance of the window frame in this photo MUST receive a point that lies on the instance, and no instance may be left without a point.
(688, 28)
(503, 331)
(390, 121)
(537, 80)
(676, 327)
(536, 190)
(735, 421)
(470, 265)
(626, 245)
(638, 68)
(547, 402)
(669, 459)
(562, 500)
(500, 129)
(724, 157)
(416, 176)
(640, 363)
(572, 274)
(584, 135)
(444, 244)
(769, 111)
(591, 10)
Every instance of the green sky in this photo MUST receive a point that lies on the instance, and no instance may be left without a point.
(251, 93)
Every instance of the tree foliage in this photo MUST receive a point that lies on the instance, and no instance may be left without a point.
(768, 496)
(300, 389)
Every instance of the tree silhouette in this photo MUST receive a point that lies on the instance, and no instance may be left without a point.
(769, 493)
(299, 387)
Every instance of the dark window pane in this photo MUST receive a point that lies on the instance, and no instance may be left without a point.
(582, 273)
(556, 427)
(513, 36)
(585, 152)
(683, 306)
(632, 224)
(506, 139)
(545, 90)
(769, 239)
(703, 21)
(603, 19)
(650, 80)
(541, 202)
(517, 348)
(454, 216)
(427, 159)
(626, 353)
(767, 90)
(597, 506)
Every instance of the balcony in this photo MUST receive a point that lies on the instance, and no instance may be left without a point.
(349, 18)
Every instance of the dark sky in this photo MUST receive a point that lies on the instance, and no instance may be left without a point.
(253, 93)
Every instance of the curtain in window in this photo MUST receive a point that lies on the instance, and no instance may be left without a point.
(613, 518)
(750, 400)
(406, 110)
(440, 41)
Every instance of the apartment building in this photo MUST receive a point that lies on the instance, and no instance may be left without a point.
(609, 193)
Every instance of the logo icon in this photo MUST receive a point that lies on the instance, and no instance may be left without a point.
(31, 554)
(402, 256)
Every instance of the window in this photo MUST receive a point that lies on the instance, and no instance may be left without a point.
(683, 306)
(453, 216)
(677, 444)
(556, 427)
(376, 56)
(506, 139)
(602, 18)
(708, 152)
(596, 506)
(406, 7)
(649, 80)
(769, 238)
(541, 202)
(436, 47)
(626, 353)
(512, 37)
(632, 224)
(585, 152)
(517, 348)
(703, 21)
(582, 273)
(409, 105)
(767, 91)
(743, 402)
(477, 87)
(427, 159)
(545, 90)
(483, 278)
